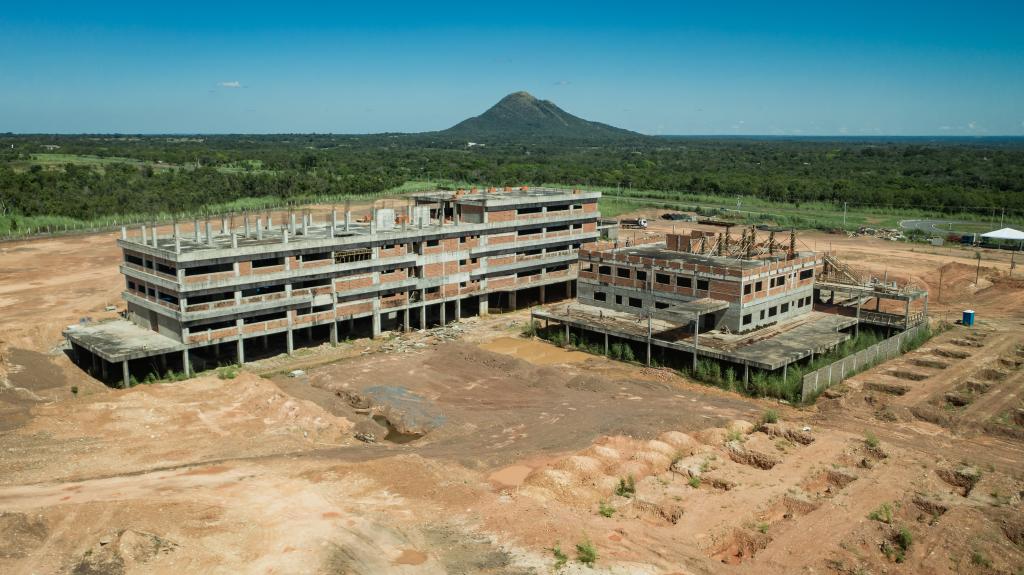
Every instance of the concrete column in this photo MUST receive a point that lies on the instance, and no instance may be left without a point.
(458, 309)
(209, 233)
(186, 365)
(95, 364)
(334, 218)
(566, 334)
(606, 350)
(223, 224)
(542, 295)
(259, 228)
(746, 374)
(125, 376)
(648, 352)
(405, 320)
(376, 325)
(568, 289)
(234, 242)
(270, 220)
(856, 328)
(696, 334)
(195, 231)
(246, 224)
(177, 244)
(305, 228)
(103, 369)
(241, 351)
(348, 219)
(785, 370)
(124, 233)
(291, 224)
(334, 332)
(906, 315)
(175, 229)
(155, 237)
(512, 300)
(444, 319)
(284, 240)
(145, 236)
(484, 303)
(291, 342)
(423, 316)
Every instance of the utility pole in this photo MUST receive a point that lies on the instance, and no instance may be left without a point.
(977, 274)
(942, 270)
(844, 214)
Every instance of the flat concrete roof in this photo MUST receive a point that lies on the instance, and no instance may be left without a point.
(660, 252)
(119, 340)
(766, 348)
(515, 194)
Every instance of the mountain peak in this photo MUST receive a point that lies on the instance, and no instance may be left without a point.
(521, 115)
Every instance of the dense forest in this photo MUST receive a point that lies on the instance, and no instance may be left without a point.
(85, 176)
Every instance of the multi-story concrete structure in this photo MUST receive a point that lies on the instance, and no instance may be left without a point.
(256, 286)
(753, 292)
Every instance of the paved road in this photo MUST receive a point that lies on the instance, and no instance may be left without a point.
(931, 226)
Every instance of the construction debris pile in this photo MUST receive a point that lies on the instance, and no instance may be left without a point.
(882, 233)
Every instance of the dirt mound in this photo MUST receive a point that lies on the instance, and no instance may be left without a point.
(122, 552)
(21, 534)
(742, 454)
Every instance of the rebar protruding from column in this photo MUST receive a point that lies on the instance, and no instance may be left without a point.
(771, 243)
(792, 243)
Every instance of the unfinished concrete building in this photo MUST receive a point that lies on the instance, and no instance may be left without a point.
(250, 286)
(748, 301)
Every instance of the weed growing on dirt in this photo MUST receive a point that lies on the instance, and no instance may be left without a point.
(694, 482)
(762, 527)
(980, 560)
(605, 510)
(74, 390)
(734, 435)
(897, 549)
(883, 513)
(560, 557)
(586, 553)
(770, 416)
(871, 441)
(228, 372)
(626, 487)
(529, 329)
(621, 351)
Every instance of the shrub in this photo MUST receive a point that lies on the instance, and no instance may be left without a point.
(979, 559)
(871, 441)
(694, 482)
(762, 527)
(74, 390)
(883, 513)
(626, 487)
(560, 557)
(228, 372)
(904, 538)
(586, 553)
(530, 329)
(605, 510)
(621, 352)
(770, 416)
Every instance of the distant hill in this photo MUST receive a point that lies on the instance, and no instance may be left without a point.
(519, 115)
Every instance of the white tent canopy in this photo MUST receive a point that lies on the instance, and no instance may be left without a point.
(1005, 234)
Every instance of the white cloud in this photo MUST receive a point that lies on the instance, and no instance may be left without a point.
(231, 84)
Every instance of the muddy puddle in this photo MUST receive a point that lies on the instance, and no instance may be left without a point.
(534, 351)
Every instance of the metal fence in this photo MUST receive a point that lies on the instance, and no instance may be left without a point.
(820, 380)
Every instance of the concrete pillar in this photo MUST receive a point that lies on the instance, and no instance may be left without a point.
(145, 236)
(223, 224)
(648, 352)
(234, 241)
(696, 334)
(95, 364)
(376, 325)
(568, 289)
(175, 229)
(606, 349)
(103, 369)
(259, 228)
(856, 328)
(186, 365)
(405, 320)
(334, 219)
(195, 231)
(209, 233)
(423, 316)
(458, 309)
(270, 220)
(245, 220)
(155, 237)
(241, 351)
(334, 333)
(291, 223)
(177, 244)
(284, 238)
(124, 233)
(785, 370)
(305, 227)
(484, 303)
(542, 295)
(566, 334)
(126, 378)
(512, 300)
(906, 315)
(291, 342)
(348, 219)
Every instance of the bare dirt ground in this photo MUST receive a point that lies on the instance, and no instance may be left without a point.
(491, 449)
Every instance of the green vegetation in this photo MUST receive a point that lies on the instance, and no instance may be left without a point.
(694, 481)
(560, 557)
(896, 550)
(228, 372)
(884, 513)
(586, 553)
(770, 416)
(871, 441)
(803, 182)
(626, 487)
(762, 527)
(529, 329)
(605, 510)
(74, 390)
(978, 559)
(621, 352)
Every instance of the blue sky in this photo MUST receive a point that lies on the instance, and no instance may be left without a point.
(810, 68)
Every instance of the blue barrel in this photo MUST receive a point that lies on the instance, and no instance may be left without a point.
(968, 317)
